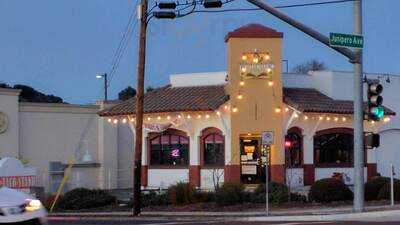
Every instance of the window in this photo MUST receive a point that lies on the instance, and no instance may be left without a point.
(213, 147)
(169, 149)
(294, 148)
(334, 147)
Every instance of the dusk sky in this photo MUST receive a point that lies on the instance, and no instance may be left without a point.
(58, 47)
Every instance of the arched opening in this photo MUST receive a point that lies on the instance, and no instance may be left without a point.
(334, 147)
(212, 147)
(169, 148)
(294, 148)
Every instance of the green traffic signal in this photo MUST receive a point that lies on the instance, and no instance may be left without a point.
(378, 112)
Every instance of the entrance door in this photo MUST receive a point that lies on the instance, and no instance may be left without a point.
(252, 160)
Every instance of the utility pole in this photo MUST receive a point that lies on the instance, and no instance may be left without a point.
(354, 57)
(139, 109)
(358, 204)
(105, 87)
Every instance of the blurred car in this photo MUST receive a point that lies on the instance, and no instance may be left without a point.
(17, 207)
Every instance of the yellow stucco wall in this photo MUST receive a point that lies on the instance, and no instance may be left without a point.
(256, 111)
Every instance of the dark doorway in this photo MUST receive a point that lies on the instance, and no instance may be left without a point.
(252, 160)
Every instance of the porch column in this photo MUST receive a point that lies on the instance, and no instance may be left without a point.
(194, 156)
(308, 160)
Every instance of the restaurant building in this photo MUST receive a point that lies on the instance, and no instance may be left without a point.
(206, 127)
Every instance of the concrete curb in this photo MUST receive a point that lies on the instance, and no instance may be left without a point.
(310, 214)
(364, 216)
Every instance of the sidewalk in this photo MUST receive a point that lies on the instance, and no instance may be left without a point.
(278, 213)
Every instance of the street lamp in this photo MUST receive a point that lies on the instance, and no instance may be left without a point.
(104, 76)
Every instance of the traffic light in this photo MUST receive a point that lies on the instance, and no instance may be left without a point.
(375, 110)
(372, 140)
(212, 4)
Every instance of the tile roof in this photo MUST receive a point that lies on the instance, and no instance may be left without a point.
(209, 98)
(253, 30)
(174, 99)
(313, 101)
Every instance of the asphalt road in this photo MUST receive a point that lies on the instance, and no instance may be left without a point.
(171, 221)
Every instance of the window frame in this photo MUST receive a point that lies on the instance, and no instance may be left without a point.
(341, 130)
(171, 132)
(297, 131)
(204, 134)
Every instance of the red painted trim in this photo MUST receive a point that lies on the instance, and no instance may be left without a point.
(232, 173)
(195, 176)
(308, 174)
(372, 170)
(277, 173)
(145, 176)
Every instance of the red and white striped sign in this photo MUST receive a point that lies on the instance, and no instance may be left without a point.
(18, 182)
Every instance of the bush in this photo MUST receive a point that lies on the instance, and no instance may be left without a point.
(204, 196)
(384, 193)
(277, 193)
(82, 198)
(230, 193)
(330, 190)
(154, 198)
(373, 186)
(181, 193)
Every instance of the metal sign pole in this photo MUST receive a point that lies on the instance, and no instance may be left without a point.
(266, 180)
(391, 185)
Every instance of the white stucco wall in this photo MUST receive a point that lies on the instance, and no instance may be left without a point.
(54, 132)
(210, 177)
(163, 178)
(9, 143)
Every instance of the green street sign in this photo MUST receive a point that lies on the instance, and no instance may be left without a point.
(346, 40)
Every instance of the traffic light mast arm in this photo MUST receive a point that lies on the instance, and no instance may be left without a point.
(353, 58)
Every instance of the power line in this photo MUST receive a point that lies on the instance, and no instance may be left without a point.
(278, 7)
(124, 43)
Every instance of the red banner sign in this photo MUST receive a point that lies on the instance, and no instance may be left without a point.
(18, 182)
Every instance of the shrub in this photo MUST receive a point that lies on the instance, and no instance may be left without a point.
(384, 193)
(230, 193)
(181, 193)
(373, 186)
(277, 193)
(204, 196)
(329, 190)
(154, 198)
(82, 198)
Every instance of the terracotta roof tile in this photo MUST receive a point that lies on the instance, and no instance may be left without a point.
(253, 30)
(210, 98)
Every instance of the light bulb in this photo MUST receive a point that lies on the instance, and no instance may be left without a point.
(207, 116)
(267, 57)
(240, 96)
(226, 107)
(243, 69)
(344, 119)
(218, 113)
(235, 109)
(188, 116)
(328, 118)
(132, 119)
(270, 83)
(255, 60)
(244, 57)
(115, 121)
(296, 115)
(168, 117)
(124, 120)
(321, 118)
(278, 110)
(241, 83)
(199, 116)
(179, 116)
(336, 119)
(109, 120)
(158, 117)
(305, 117)
(148, 118)
(286, 109)
(386, 119)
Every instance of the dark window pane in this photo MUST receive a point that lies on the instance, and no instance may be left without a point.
(294, 152)
(334, 148)
(169, 151)
(214, 150)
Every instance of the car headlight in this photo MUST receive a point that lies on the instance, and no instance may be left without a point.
(33, 205)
